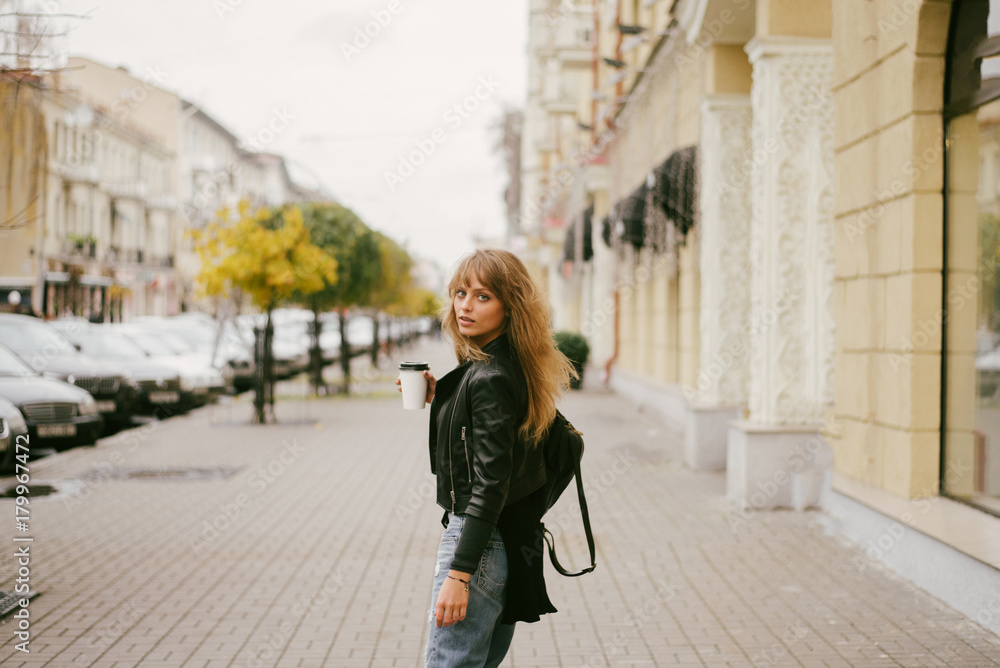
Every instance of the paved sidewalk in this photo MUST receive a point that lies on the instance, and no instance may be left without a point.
(319, 549)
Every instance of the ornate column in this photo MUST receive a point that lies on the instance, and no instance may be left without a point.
(776, 458)
(726, 171)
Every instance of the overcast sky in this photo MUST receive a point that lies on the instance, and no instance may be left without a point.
(355, 114)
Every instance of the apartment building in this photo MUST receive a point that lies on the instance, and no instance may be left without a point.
(783, 237)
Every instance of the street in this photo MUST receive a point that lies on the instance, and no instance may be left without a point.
(311, 542)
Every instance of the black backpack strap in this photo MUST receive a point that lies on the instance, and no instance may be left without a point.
(550, 541)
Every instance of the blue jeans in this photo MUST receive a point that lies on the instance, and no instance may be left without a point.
(481, 639)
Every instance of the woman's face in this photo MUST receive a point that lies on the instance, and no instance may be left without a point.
(478, 312)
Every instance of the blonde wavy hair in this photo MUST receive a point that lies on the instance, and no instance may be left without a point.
(526, 323)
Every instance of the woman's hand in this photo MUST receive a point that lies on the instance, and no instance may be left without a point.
(431, 385)
(453, 600)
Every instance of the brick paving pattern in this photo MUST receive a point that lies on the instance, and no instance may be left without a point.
(319, 551)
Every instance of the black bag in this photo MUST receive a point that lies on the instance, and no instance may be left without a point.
(563, 452)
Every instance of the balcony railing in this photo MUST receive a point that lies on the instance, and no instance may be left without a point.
(87, 172)
(86, 249)
(138, 256)
(128, 189)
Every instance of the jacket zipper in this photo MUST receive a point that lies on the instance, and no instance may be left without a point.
(468, 464)
(451, 422)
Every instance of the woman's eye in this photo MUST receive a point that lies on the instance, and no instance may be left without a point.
(459, 293)
(483, 298)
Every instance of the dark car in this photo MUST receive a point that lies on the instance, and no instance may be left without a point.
(159, 385)
(56, 414)
(50, 353)
(13, 432)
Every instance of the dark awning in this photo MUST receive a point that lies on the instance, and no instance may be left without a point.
(675, 188)
(569, 245)
(634, 217)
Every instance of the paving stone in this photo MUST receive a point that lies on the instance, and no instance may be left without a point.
(318, 551)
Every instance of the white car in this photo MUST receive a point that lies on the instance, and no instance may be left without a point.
(199, 381)
(222, 347)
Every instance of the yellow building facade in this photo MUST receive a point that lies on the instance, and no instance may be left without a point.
(827, 330)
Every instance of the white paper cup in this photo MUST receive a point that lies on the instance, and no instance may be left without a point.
(411, 379)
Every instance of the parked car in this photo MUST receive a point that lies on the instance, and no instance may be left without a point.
(360, 332)
(45, 349)
(159, 385)
(13, 430)
(200, 383)
(292, 341)
(55, 413)
(221, 348)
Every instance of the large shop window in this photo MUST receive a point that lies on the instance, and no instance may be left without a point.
(970, 468)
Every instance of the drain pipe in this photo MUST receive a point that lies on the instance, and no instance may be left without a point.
(606, 380)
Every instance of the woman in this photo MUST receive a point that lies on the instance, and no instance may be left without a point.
(487, 418)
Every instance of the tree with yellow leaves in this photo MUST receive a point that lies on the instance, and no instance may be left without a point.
(269, 256)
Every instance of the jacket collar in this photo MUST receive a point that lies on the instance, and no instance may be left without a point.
(499, 343)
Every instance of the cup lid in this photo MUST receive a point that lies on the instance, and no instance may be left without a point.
(414, 366)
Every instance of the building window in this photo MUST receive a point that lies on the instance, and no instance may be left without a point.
(970, 443)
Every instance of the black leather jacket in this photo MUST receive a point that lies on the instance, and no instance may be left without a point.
(480, 461)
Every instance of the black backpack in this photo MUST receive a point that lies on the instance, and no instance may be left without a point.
(563, 452)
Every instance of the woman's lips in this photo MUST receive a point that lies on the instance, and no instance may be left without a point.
(466, 321)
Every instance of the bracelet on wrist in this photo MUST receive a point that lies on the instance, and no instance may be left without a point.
(464, 582)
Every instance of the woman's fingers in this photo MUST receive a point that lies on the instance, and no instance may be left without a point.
(451, 605)
(431, 385)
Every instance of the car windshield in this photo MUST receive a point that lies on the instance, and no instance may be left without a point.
(11, 365)
(104, 343)
(180, 336)
(293, 331)
(30, 336)
(177, 343)
(152, 344)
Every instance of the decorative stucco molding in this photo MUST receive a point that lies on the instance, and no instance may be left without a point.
(725, 202)
(792, 255)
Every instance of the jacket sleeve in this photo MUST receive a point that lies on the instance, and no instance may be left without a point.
(494, 428)
(494, 431)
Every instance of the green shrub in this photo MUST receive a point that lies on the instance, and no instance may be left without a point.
(573, 346)
(576, 350)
